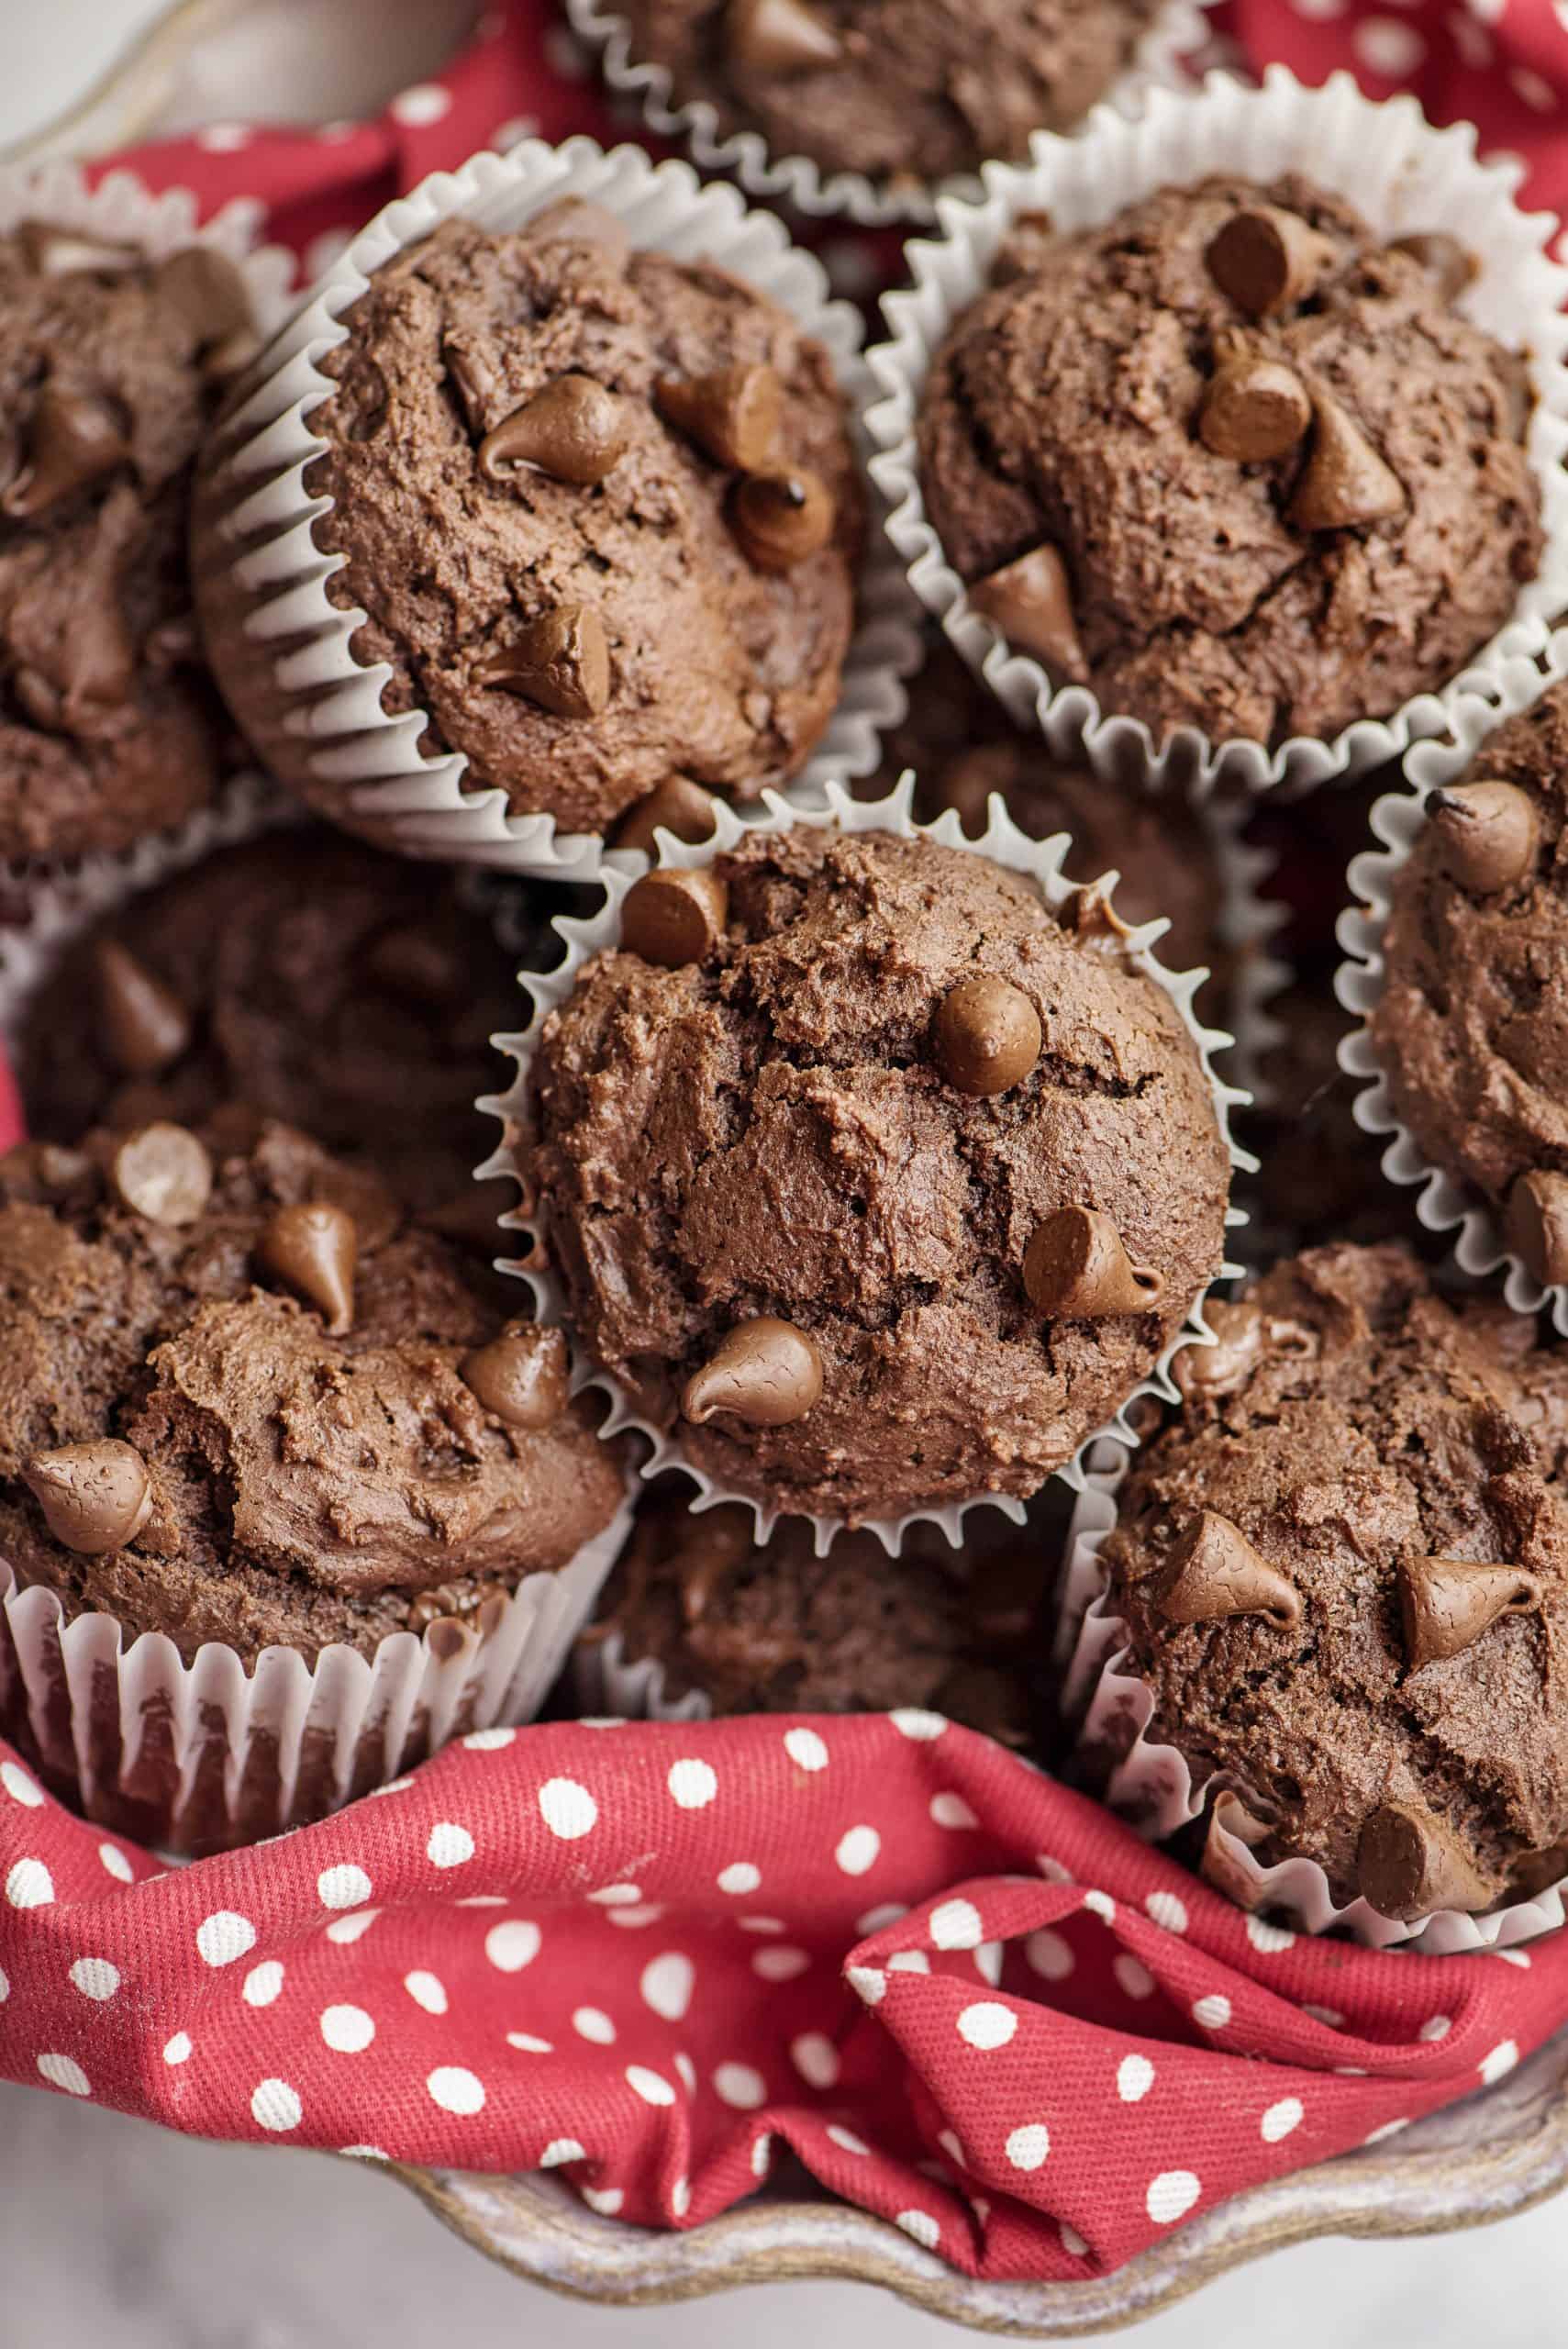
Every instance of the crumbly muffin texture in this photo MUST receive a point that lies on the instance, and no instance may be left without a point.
(585, 596)
(346, 991)
(770, 1132)
(962, 746)
(898, 90)
(111, 368)
(772, 1626)
(1101, 410)
(301, 1482)
(1471, 1029)
(1360, 1441)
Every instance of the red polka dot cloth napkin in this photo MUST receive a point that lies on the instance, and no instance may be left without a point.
(651, 1955)
(654, 1955)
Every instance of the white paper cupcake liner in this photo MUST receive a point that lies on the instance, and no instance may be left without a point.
(1446, 1202)
(311, 708)
(1402, 176)
(1152, 1786)
(1180, 28)
(607, 1682)
(215, 1751)
(1008, 846)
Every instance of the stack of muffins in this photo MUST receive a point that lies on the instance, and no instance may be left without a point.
(864, 1179)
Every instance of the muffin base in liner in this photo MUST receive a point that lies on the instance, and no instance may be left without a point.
(1447, 1202)
(1152, 1788)
(197, 1757)
(282, 651)
(1008, 846)
(1404, 176)
(1179, 29)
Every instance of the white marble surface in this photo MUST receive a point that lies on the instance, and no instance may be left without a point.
(114, 2236)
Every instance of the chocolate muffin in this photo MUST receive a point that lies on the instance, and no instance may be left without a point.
(1471, 1029)
(240, 1400)
(601, 510)
(111, 367)
(962, 746)
(1281, 486)
(903, 91)
(346, 991)
(870, 1174)
(1343, 1569)
(772, 1628)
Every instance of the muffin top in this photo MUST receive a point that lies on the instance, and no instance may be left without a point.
(600, 507)
(899, 89)
(346, 991)
(240, 1400)
(773, 1628)
(873, 1176)
(1471, 1029)
(962, 746)
(111, 365)
(1344, 1572)
(1231, 462)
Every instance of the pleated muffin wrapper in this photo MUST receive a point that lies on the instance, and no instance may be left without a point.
(1151, 1784)
(1402, 176)
(200, 1757)
(1445, 1203)
(1180, 28)
(1006, 845)
(282, 652)
(608, 1684)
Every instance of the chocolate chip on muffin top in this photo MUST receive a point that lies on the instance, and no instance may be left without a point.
(1233, 461)
(873, 1176)
(242, 1400)
(111, 367)
(601, 510)
(1472, 1028)
(1343, 1568)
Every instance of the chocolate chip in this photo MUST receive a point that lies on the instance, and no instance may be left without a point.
(1031, 602)
(766, 1372)
(1254, 410)
(1221, 1368)
(313, 1249)
(572, 221)
(1535, 1224)
(372, 1209)
(669, 916)
(207, 293)
(145, 1027)
(164, 1172)
(1486, 834)
(987, 1035)
(95, 1496)
(576, 430)
(1214, 1572)
(677, 805)
(443, 1611)
(469, 365)
(561, 660)
(780, 36)
(1443, 258)
(73, 442)
(1076, 1269)
(55, 251)
(732, 415)
(418, 966)
(1448, 1603)
(782, 518)
(1345, 481)
(1266, 260)
(1410, 1863)
(520, 1375)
